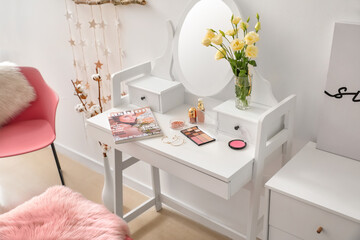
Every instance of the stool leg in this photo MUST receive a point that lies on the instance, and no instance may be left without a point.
(57, 164)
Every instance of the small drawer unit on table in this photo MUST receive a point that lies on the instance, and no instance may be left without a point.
(239, 123)
(159, 94)
(316, 196)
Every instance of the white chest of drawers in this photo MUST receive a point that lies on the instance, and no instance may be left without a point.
(316, 196)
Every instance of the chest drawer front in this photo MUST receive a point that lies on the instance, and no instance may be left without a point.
(237, 127)
(276, 234)
(143, 98)
(303, 220)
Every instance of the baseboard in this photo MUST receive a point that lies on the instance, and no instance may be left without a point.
(138, 186)
(80, 158)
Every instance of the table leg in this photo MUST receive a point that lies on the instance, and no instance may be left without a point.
(118, 184)
(156, 187)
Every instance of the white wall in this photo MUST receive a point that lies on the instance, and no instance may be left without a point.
(294, 55)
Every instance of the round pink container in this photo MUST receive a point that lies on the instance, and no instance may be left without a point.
(237, 144)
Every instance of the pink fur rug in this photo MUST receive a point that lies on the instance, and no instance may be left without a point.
(61, 214)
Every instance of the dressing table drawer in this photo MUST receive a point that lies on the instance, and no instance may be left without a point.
(143, 98)
(237, 127)
(277, 234)
(308, 222)
(159, 94)
(239, 123)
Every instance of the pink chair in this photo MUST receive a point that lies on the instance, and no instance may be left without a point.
(33, 128)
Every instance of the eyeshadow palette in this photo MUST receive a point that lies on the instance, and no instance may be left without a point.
(197, 136)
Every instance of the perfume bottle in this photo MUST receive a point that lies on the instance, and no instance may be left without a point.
(200, 111)
(192, 115)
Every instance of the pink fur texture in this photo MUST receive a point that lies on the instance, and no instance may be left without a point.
(61, 214)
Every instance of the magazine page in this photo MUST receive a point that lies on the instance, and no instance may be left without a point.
(133, 125)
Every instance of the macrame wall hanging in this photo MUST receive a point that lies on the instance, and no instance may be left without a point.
(94, 30)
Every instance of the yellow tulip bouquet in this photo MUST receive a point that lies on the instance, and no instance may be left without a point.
(240, 53)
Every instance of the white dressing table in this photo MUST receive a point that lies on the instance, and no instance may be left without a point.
(214, 166)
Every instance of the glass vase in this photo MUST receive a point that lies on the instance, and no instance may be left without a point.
(243, 87)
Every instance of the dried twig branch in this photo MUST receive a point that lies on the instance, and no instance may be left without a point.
(77, 94)
(99, 90)
(115, 2)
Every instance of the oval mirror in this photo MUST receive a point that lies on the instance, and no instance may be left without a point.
(194, 64)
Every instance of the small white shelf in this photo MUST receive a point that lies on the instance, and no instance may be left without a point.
(252, 115)
(153, 84)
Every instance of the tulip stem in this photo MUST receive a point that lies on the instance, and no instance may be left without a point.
(219, 51)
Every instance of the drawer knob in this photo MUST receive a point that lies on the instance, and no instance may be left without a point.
(237, 127)
(319, 230)
(142, 98)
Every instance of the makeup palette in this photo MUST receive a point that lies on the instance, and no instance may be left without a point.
(237, 144)
(197, 135)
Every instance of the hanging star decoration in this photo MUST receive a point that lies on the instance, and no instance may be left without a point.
(104, 100)
(82, 43)
(78, 81)
(91, 104)
(108, 76)
(98, 43)
(98, 64)
(118, 24)
(78, 25)
(72, 42)
(87, 86)
(92, 24)
(102, 24)
(122, 53)
(68, 15)
(107, 52)
(109, 98)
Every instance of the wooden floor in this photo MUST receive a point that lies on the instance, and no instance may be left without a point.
(25, 176)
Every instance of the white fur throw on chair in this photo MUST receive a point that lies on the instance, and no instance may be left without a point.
(15, 93)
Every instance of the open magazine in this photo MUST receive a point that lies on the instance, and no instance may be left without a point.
(133, 125)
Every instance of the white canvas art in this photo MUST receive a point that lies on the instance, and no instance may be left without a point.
(339, 126)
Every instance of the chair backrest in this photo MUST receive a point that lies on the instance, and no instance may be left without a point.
(267, 140)
(44, 106)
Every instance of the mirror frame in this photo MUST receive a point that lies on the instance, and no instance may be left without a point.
(178, 73)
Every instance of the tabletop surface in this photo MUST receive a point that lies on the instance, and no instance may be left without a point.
(216, 159)
(323, 179)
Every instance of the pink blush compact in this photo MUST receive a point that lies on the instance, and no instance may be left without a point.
(237, 144)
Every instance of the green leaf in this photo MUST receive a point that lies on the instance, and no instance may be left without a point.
(232, 17)
(212, 30)
(222, 33)
(248, 20)
(236, 54)
(253, 63)
(242, 73)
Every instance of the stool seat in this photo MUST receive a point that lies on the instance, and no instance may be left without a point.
(60, 213)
